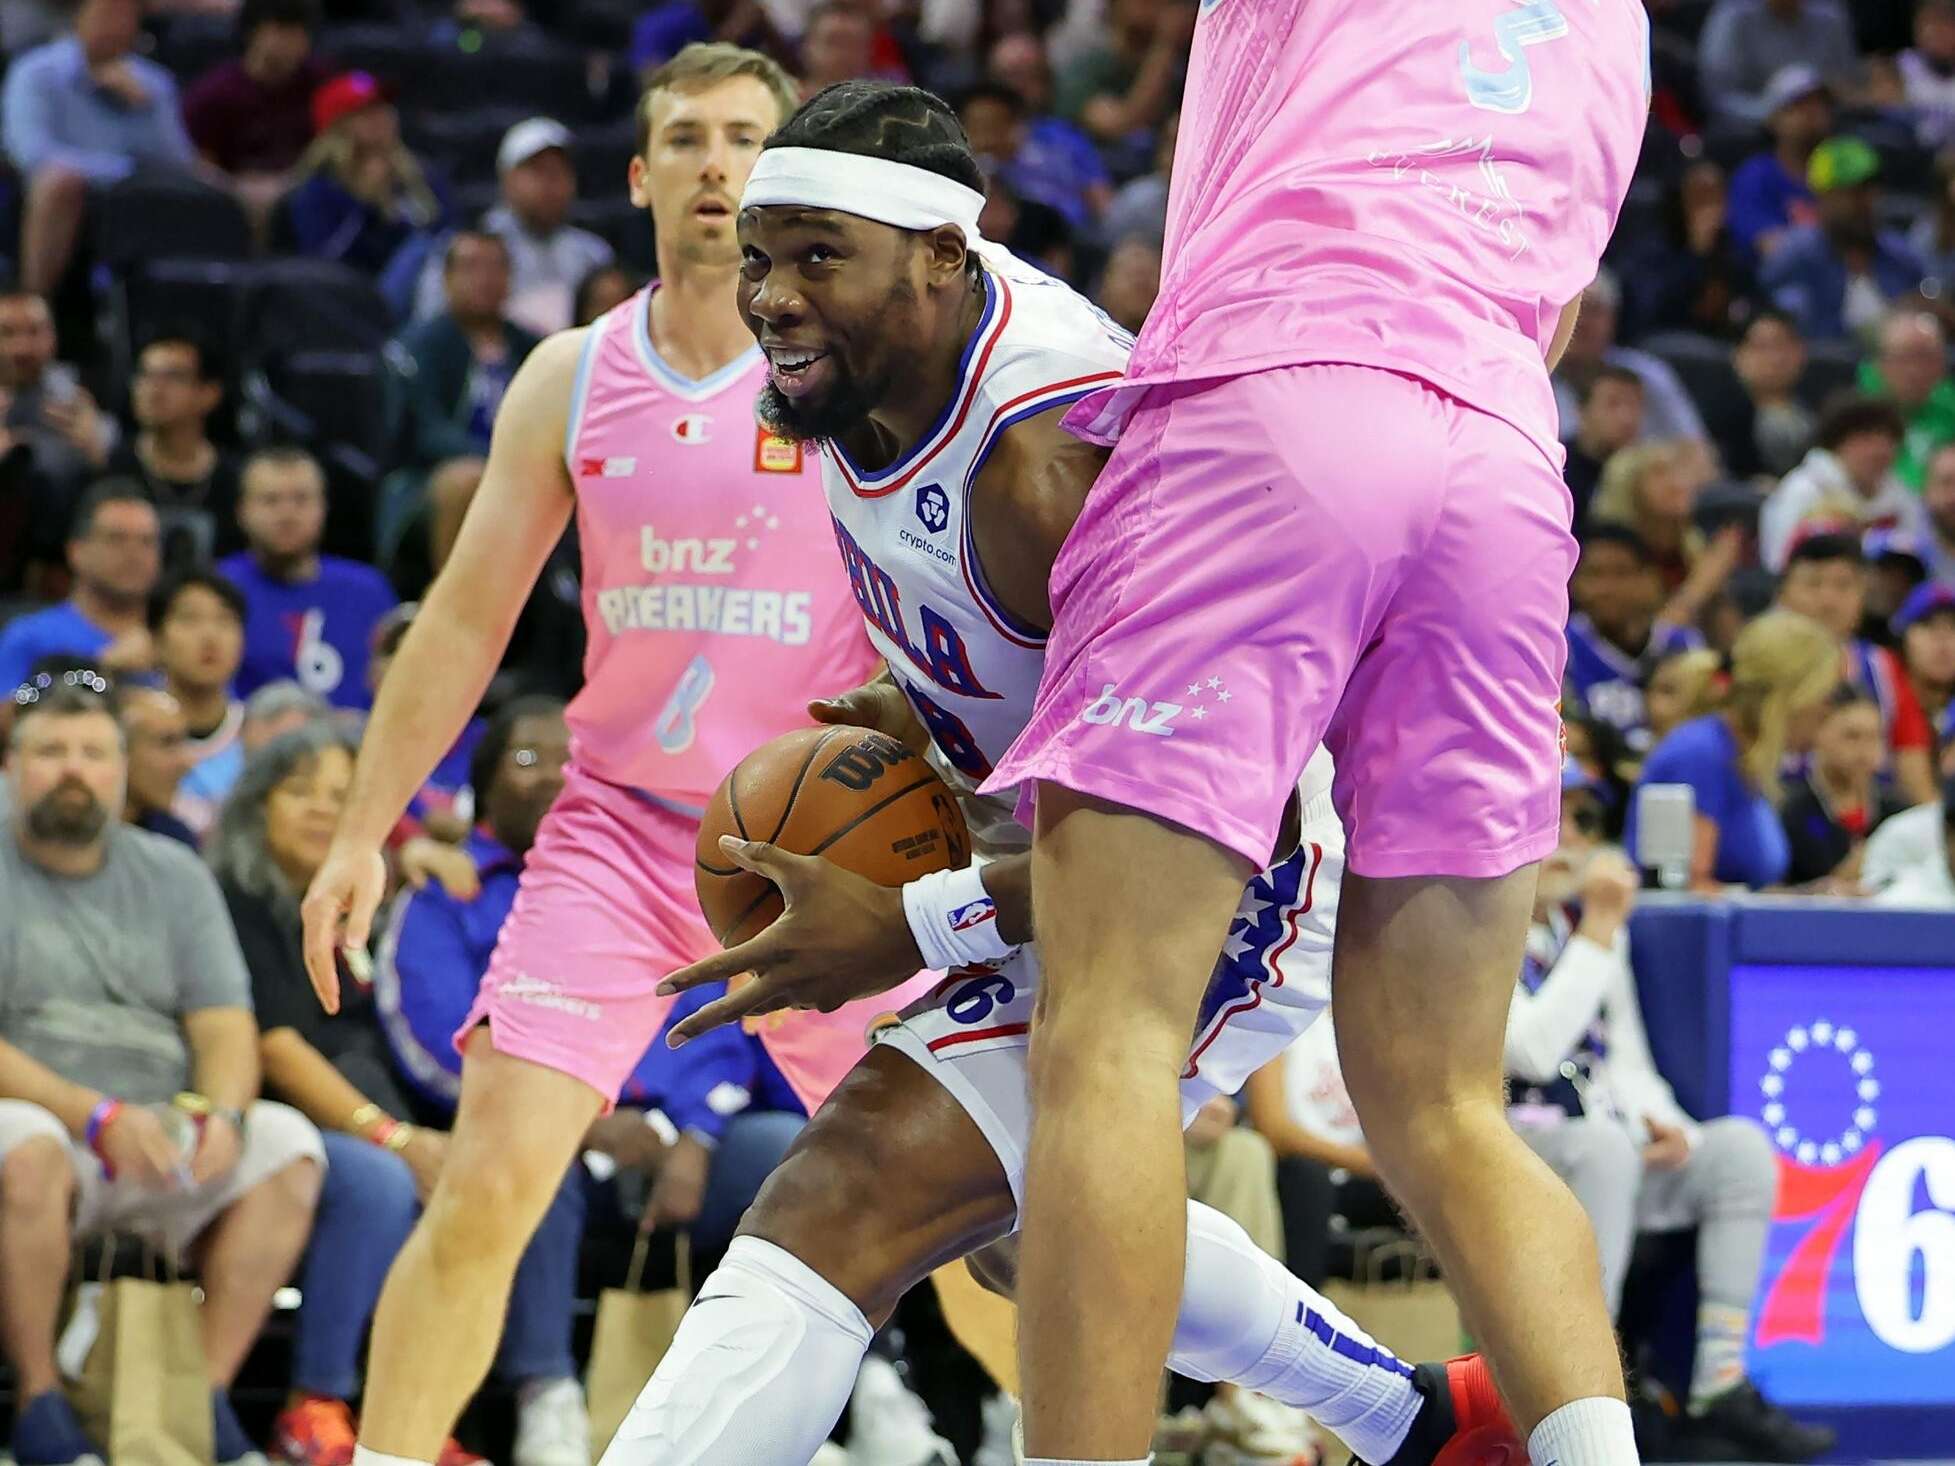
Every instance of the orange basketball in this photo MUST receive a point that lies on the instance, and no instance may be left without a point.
(859, 798)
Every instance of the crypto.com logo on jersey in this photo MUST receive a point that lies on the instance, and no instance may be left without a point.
(1852, 1073)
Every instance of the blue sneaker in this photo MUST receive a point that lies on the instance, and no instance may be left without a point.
(46, 1433)
(230, 1445)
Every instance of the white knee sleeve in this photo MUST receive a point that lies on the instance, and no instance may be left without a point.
(758, 1373)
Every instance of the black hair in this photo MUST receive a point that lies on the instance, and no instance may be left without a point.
(1607, 532)
(254, 13)
(164, 596)
(1821, 549)
(1851, 695)
(182, 333)
(475, 231)
(115, 489)
(1851, 415)
(878, 119)
(1621, 375)
(993, 91)
(489, 753)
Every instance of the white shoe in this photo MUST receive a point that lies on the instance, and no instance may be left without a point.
(999, 1443)
(830, 1454)
(889, 1426)
(552, 1428)
(1248, 1429)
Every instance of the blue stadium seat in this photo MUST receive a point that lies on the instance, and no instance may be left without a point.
(393, 53)
(298, 305)
(543, 78)
(152, 216)
(461, 144)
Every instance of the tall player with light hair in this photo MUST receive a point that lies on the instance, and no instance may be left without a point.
(711, 628)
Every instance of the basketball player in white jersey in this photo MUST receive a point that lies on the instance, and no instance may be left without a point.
(711, 627)
(933, 381)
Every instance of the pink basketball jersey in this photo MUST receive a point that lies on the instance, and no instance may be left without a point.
(714, 598)
(1419, 186)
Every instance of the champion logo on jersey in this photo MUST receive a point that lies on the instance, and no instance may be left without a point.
(593, 467)
(693, 428)
(774, 454)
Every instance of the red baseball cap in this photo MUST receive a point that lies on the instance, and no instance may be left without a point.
(346, 94)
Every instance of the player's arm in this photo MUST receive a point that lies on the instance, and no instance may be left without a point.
(453, 648)
(1024, 503)
(1564, 332)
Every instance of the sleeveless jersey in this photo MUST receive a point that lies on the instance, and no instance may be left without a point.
(1419, 186)
(715, 610)
(967, 666)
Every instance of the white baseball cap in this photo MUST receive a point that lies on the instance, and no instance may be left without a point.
(528, 138)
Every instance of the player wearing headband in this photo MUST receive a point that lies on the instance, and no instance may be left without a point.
(932, 368)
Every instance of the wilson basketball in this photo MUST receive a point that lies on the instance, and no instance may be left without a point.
(859, 798)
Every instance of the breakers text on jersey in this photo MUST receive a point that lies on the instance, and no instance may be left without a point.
(724, 610)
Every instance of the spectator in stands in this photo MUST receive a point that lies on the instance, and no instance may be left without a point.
(1936, 538)
(1769, 192)
(113, 550)
(1615, 636)
(81, 111)
(1630, 1153)
(1926, 625)
(1826, 579)
(251, 117)
(1746, 43)
(1783, 668)
(1836, 276)
(1928, 882)
(129, 1070)
(1897, 562)
(665, 30)
(1611, 419)
(838, 45)
(1299, 1104)
(335, 1068)
(1770, 360)
(1684, 685)
(1847, 479)
(47, 408)
(153, 731)
(1695, 275)
(308, 616)
(603, 288)
(1838, 800)
(1668, 411)
(1933, 236)
(548, 256)
(1046, 160)
(197, 621)
(193, 483)
(1652, 489)
(1130, 282)
(362, 197)
(1910, 369)
(1140, 209)
(445, 804)
(1125, 88)
(1927, 74)
(453, 370)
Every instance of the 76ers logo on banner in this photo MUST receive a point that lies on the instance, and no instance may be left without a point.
(1820, 1103)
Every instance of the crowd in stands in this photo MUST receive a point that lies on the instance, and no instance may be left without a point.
(272, 264)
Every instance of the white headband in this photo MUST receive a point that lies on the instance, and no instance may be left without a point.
(897, 194)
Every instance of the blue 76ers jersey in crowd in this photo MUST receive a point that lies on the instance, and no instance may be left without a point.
(1609, 682)
(966, 664)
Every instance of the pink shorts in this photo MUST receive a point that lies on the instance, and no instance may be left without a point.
(605, 910)
(1309, 554)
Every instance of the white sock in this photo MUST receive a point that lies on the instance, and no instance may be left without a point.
(363, 1457)
(758, 1373)
(1594, 1432)
(1246, 1319)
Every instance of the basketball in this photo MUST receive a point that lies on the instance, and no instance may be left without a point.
(854, 796)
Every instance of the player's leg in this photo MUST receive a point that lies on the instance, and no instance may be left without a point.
(1448, 753)
(889, 1181)
(516, 1132)
(563, 1015)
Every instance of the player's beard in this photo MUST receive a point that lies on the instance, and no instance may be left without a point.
(840, 411)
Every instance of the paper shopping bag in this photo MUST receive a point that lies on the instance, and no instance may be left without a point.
(1413, 1315)
(143, 1393)
(634, 1329)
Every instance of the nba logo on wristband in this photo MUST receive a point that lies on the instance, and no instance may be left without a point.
(964, 918)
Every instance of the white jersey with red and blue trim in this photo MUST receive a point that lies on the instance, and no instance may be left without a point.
(969, 667)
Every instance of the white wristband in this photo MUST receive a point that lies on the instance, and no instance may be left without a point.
(954, 921)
